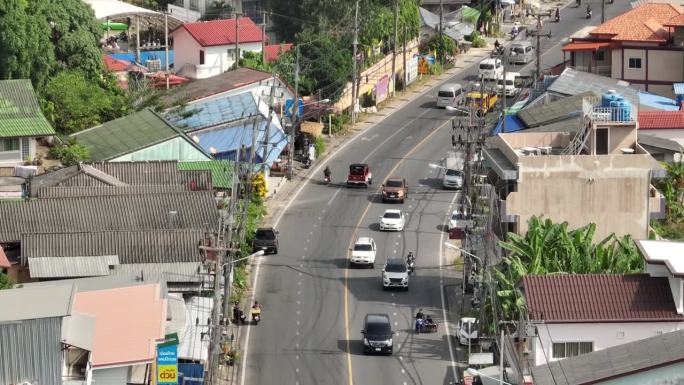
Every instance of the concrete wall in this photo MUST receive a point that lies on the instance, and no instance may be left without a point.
(662, 66)
(603, 335)
(609, 190)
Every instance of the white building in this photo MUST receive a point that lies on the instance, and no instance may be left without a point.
(206, 49)
(578, 314)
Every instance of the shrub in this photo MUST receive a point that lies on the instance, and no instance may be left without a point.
(338, 122)
(319, 145)
(70, 153)
(436, 69)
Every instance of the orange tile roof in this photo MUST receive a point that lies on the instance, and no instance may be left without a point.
(222, 31)
(4, 262)
(273, 51)
(659, 120)
(585, 46)
(128, 320)
(677, 21)
(644, 23)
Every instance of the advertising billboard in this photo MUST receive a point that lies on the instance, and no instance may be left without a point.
(167, 360)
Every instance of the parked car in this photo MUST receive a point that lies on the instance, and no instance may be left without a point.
(363, 252)
(266, 239)
(467, 330)
(453, 170)
(377, 334)
(395, 274)
(392, 220)
(395, 189)
(359, 174)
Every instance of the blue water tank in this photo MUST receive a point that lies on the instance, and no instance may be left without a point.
(608, 98)
(622, 110)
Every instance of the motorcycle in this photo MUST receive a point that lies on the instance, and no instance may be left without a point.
(498, 51)
(557, 17)
(579, 3)
(256, 315)
(589, 14)
(411, 264)
(327, 179)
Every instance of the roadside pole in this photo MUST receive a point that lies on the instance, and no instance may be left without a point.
(538, 34)
(166, 45)
(295, 110)
(394, 47)
(354, 75)
(237, 40)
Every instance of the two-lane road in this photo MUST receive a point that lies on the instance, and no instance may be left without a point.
(314, 304)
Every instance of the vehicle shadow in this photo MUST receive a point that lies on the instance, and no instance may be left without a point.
(443, 228)
(435, 183)
(430, 104)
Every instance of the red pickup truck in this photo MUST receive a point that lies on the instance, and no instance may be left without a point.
(359, 174)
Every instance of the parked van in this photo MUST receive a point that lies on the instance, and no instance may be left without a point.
(450, 95)
(511, 89)
(453, 170)
(490, 69)
(521, 52)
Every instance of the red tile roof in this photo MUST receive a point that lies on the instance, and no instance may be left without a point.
(644, 23)
(599, 298)
(115, 65)
(585, 46)
(677, 21)
(4, 262)
(658, 120)
(273, 51)
(222, 32)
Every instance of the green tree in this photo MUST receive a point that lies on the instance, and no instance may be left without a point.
(444, 46)
(550, 248)
(219, 9)
(325, 63)
(70, 153)
(82, 103)
(6, 282)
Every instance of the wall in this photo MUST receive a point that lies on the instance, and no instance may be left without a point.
(666, 375)
(639, 74)
(175, 149)
(611, 191)
(603, 335)
(185, 48)
(30, 350)
(663, 66)
(219, 59)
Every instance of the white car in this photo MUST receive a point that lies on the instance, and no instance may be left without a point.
(392, 220)
(363, 252)
(395, 274)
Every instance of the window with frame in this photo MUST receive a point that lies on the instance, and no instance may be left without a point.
(10, 144)
(201, 61)
(634, 63)
(571, 349)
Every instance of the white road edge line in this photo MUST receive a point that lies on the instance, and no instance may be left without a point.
(444, 311)
(299, 190)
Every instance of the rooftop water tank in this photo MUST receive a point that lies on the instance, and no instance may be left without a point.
(608, 98)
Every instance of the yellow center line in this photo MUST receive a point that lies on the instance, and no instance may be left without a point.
(351, 243)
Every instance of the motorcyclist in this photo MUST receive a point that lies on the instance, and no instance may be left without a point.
(410, 257)
(420, 314)
(514, 31)
(236, 312)
(327, 173)
(429, 321)
(588, 9)
(256, 309)
(497, 45)
(557, 13)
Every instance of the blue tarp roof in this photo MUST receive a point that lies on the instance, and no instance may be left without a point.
(228, 140)
(513, 124)
(657, 101)
(215, 111)
(144, 56)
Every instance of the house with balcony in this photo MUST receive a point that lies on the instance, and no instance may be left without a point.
(205, 49)
(572, 315)
(642, 46)
(599, 174)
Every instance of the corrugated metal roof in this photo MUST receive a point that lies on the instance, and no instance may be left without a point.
(171, 272)
(214, 111)
(221, 171)
(184, 210)
(554, 111)
(69, 267)
(126, 134)
(222, 32)
(192, 345)
(513, 124)
(599, 298)
(573, 82)
(36, 302)
(649, 102)
(658, 142)
(623, 359)
(20, 113)
(138, 246)
(66, 192)
(40, 357)
(95, 283)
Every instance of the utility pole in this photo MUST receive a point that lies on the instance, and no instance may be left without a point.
(603, 11)
(441, 34)
(295, 110)
(166, 45)
(355, 43)
(263, 37)
(538, 34)
(214, 329)
(394, 47)
(503, 92)
(237, 40)
(268, 125)
(137, 40)
(404, 58)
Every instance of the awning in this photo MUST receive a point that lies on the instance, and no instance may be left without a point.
(313, 128)
(585, 46)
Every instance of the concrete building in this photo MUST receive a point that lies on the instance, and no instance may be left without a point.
(206, 49)
(599, 174)
(642, 46)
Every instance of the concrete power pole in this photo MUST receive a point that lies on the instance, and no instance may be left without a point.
(354, 75)
(263, 37)
(538, 34)
(394, 47)
(503, 92)
(603, 11)
(295, 110)
(404, 59)
(166, 45)
(268, 125)
(237, 39)
(441, 34)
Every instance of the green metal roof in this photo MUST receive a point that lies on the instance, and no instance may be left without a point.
(20, 113)
(125, 135)
(221, 171)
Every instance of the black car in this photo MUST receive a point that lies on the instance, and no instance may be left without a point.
(266, 239)
(377, 334)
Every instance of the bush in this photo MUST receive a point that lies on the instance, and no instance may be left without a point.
(319, 145)
(70, 153)
(338, 122)
(477, 40)
(436, 69)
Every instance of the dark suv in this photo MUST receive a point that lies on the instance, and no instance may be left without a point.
(266, 239)
(377, 334)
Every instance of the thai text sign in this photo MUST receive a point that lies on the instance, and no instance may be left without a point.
(411, 70)
(167, 364)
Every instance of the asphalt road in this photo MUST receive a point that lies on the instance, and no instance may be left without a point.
(314, 304)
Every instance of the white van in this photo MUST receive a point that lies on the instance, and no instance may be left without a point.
(521, 52)
(453, 170)
(511, 89)
(450, 95)
(490, 69)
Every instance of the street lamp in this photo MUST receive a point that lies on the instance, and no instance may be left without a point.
(454, 247)
(474, 372)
